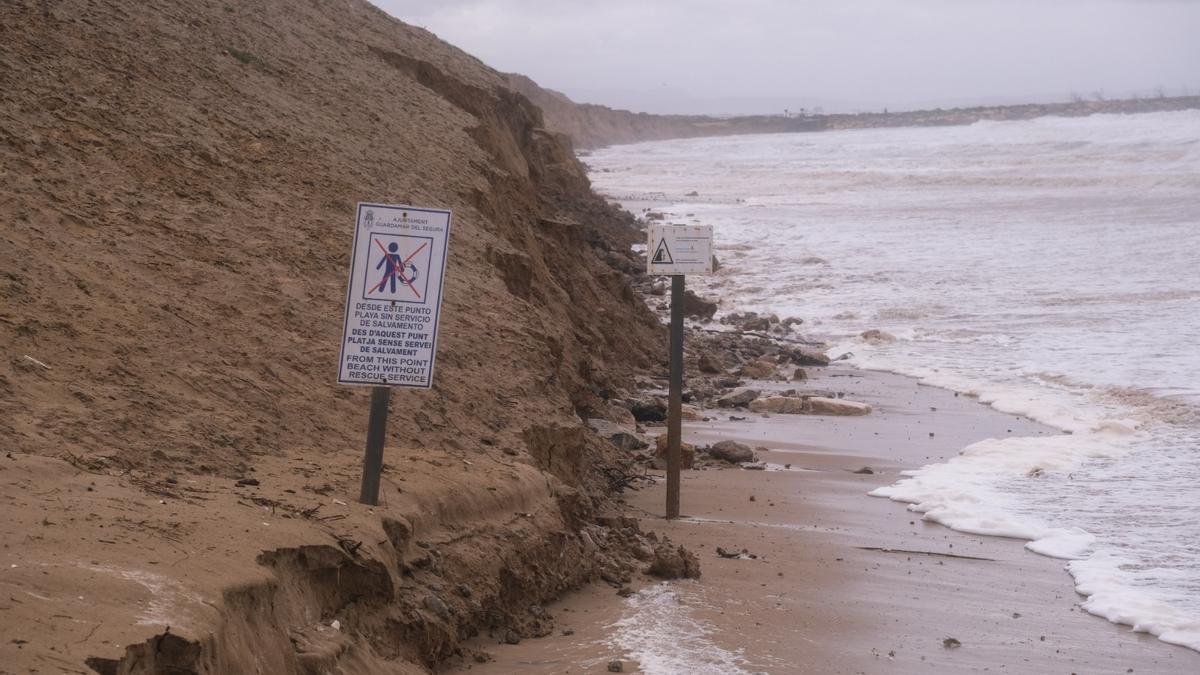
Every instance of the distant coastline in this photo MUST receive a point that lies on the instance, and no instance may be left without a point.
(593, 126)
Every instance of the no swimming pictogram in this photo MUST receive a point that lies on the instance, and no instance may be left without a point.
(397, 268)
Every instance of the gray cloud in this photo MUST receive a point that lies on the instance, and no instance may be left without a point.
(764, 55)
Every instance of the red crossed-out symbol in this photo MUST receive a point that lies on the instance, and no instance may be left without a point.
(406, 260)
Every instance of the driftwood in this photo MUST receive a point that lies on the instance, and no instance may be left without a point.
(619, 479)
(934, 553)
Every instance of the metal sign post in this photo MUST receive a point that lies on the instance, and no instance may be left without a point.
(677, 250)
(675, 401)
(393, 305)
(376, 431)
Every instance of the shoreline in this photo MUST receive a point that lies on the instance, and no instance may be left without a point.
(843, 582)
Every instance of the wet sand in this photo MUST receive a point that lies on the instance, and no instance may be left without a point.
(820, 596)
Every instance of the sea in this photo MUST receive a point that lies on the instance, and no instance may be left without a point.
(1049, 267)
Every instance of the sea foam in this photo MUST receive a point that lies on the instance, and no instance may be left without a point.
(1047, 267)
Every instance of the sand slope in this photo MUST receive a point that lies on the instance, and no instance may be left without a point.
(177, 189)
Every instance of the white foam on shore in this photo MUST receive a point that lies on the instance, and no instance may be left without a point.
(1116, 594)
(663, 634)
(1047, 267)
(962, 493)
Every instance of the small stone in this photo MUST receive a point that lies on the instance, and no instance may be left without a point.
(615, 666)
(511, 637)
(435, 604)
(951, 643)
(866, 470)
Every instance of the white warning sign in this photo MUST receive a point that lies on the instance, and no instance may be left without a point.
(679, 249)
(389, 337)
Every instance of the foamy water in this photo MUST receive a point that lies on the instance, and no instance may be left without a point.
(663, 633)
(1050, 267)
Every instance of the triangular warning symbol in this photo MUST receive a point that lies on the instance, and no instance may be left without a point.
(662, 254)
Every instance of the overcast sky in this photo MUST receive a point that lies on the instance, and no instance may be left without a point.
(709, 56)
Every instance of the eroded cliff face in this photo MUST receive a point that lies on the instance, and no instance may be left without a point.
(176, 208)
(179, 190)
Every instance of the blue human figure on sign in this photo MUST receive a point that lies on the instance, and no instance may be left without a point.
(394, 266)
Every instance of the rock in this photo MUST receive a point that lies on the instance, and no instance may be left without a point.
(651, 409)
(689, 412)
(836, 406)
(807, 356)
(787, 405)
(511, 637)
(799, 375)
(732, 452)
(757, 324)
(616, 666)
(866, 470)
(687, 453)
(617, 434)
(738, 399)
(625, 591)
(877, 337)
(754, 466)
(728, 554)
(792, 321)
(694, 305)
(760, 369)
(710, 363)
(247, 482)
(951, 643)
(627, 441)
(674, 562)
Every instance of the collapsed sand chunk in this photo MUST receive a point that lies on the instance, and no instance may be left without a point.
(673, 562)
(687, 453)
(809, 405)
(787, 405)
(710, 363)
(760, 369)
(837, 406)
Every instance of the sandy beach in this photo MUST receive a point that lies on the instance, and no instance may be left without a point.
(841, 582)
